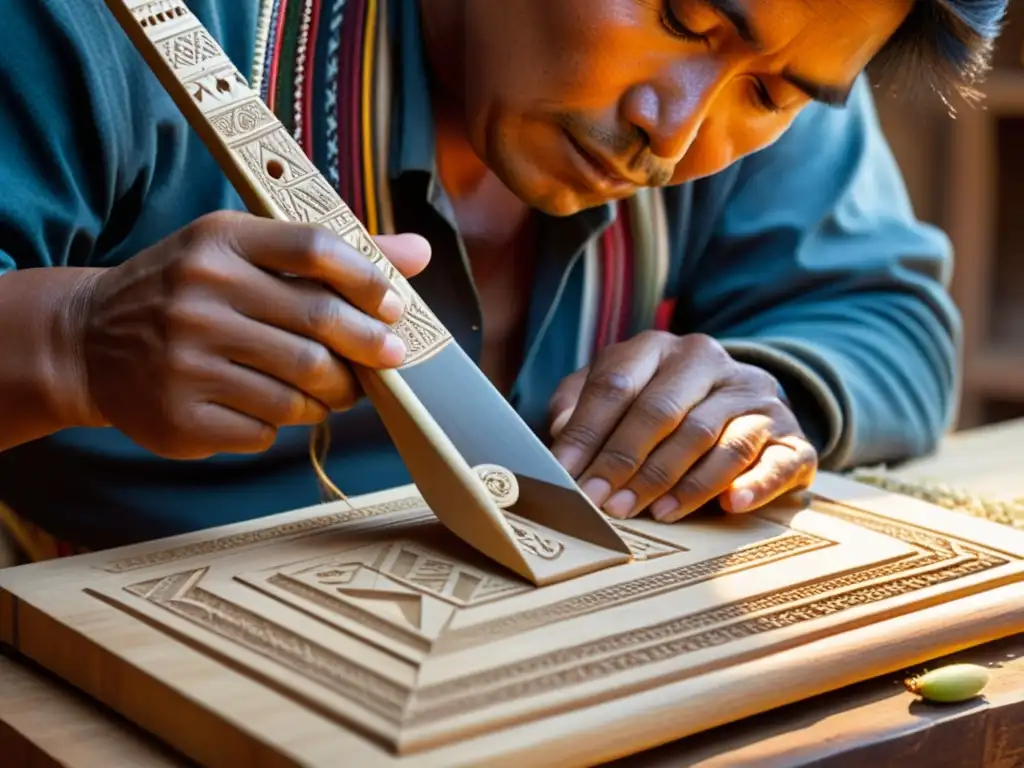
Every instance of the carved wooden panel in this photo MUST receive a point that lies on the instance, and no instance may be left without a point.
(374, 632)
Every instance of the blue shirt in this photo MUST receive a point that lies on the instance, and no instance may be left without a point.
(804, 258)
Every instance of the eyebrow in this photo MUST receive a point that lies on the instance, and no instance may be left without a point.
(734, 12)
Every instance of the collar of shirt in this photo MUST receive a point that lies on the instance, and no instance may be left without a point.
(421, 205)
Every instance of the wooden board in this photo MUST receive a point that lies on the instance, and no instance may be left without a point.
(372, 631)
(45, 725)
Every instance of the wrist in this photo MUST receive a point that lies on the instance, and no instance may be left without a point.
(66, 374)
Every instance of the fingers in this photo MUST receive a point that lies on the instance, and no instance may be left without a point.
(300, 363)
(234, 433)
(638, 459)
(738, 448)
(261, 397)
(409, 253)
(607, 394)
(787, 465)
(698, 433)
(316, 253)
(564, 401)
(311, 312)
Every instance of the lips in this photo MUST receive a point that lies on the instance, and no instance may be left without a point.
(598, 173)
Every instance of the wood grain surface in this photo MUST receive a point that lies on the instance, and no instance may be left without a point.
(869, 723)
(371, 631)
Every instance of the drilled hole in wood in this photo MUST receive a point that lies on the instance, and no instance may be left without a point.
(275, 169)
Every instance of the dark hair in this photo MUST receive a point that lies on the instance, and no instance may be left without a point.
(945, 45)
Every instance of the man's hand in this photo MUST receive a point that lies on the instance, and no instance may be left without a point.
(671, 423)
(236, 325)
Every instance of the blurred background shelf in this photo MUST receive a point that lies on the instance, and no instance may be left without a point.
(965, 173)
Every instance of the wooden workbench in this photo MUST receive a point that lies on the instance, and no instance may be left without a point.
(44, 723)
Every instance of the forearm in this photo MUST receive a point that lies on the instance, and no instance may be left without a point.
(43, 385)
(875, 376)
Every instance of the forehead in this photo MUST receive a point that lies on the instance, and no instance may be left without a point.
(848, 30)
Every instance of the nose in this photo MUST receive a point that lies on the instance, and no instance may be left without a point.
(671, 108)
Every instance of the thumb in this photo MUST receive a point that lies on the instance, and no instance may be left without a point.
(408, 252)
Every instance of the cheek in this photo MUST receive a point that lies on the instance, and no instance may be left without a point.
(725, 140)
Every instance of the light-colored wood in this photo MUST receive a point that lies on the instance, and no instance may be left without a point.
(42, 725)
(873, 724)
(276, 180)
(986, 461)
(373, 632)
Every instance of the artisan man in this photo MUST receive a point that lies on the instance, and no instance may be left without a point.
(670, 232)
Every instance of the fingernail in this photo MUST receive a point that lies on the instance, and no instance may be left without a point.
(664, 507)
(621, 504)
(392, 307)
(394, 350)
(741, 500)
(597, 489)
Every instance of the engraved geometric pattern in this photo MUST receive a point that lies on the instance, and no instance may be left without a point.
(160, 12)
(189, 49)
(432, 602)
(275, 161)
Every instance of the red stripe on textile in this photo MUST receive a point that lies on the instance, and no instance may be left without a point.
(275, 56)
(628, 274)
(604, 305)
(307, 100)
(663, 315)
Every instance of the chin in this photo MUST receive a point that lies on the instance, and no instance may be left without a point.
(566, 201)
(549, 193)
(532, 164)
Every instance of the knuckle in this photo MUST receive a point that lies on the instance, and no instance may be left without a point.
(185, 319)
(263, 437)
(704, 344)
(370, 281)
(314, 364)
(286, 407)
(743, 449)
(324, 316)
(183, 420)
(580, 435)
(700, 432)
(618, 462)
(315, 250)
(613, 386)
(758, 380)
(181, 362)
(373, 335)
(653, 338)
(206, 228)
(658, 410)
(203, 264)
(694, 486)
(655, 476)
(808, 457)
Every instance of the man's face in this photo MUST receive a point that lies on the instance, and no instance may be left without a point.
(577, 102)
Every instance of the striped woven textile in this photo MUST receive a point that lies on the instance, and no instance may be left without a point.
(324, 68)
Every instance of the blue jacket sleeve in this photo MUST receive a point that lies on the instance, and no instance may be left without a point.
(818, 271)
(61, 98)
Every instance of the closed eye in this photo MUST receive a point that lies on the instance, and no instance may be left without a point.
(764, 96)
(676, 27)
